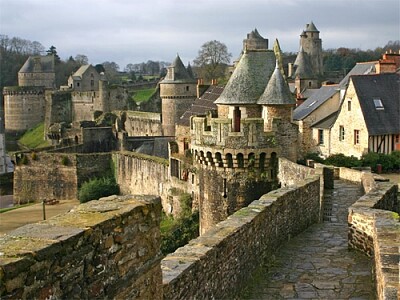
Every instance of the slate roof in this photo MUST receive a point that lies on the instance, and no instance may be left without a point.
(181, 74)
(277, 91)
(46, 63)
(202, 105)
(318, 98)
(79, 73)
(362, 68)
(311, 28)
(327, 122)
(303, 65)
(386, 88)
(249, 79)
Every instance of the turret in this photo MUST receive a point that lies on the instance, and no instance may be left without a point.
(312, 45)
(177, 91)
(235, 157)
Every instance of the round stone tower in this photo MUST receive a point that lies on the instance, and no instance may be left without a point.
(178, 90)
(235, 157)
(277, 106)
(24, 107)
(312, 45)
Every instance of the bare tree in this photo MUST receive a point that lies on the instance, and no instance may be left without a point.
(212, 59)
(81, 59)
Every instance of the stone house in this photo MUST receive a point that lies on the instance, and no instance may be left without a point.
(85, 79)
(316, 108)
(369, 116)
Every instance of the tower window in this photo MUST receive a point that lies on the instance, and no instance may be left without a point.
(236, 119)
(187, 88)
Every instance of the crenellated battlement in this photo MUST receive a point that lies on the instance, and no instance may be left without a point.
(219, 133)
(23, 90)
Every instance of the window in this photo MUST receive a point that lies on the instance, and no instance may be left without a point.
(320, 136)
(349, 105)
(378, 104)
(341, 133)
(356, 137)
(187, 88)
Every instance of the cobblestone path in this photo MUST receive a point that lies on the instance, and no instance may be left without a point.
(317, 264)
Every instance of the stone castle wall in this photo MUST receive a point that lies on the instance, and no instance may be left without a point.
(374, 229)
(140, 174)
(217, 264)
(57, 175)
(58, 108)
(37, 79)
(143, 124)
(24, 107)
(105, 249)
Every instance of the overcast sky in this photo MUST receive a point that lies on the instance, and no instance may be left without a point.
(133, 31)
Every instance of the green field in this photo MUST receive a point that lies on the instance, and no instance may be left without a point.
(142, 95)
(34, 138)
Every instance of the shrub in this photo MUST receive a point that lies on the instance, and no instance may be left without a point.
(341, 160)
(388, 162)
(65, 161)
(181, 232)
(313, 156)
(24, 160)
(97, 188)
(34, 156)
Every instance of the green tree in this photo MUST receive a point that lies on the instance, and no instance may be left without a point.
(212, 60)
(53, 51)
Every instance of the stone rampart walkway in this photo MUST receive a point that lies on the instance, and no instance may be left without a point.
(317, 264)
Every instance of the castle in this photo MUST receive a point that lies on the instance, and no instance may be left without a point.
(230, 146)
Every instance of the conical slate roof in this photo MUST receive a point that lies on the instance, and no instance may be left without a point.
(177, 73)
(190, 71)
(249, 78)
(311, 28)
(303, 65)
(277, 91)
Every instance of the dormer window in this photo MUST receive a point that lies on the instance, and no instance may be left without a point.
(378, 104)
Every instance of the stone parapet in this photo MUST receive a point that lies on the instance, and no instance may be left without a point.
(217, 264)
(105, 249)
(374, 229)
(218, 132)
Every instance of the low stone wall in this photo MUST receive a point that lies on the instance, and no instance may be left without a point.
(374, 229)
(105, 249)
(139, 174)
(217, 264)
(289, 173)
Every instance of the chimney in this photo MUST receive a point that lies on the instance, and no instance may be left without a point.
(290, 70)
(201, 87)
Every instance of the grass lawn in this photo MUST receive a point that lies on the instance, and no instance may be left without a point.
(142, 95)
(34, 138)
